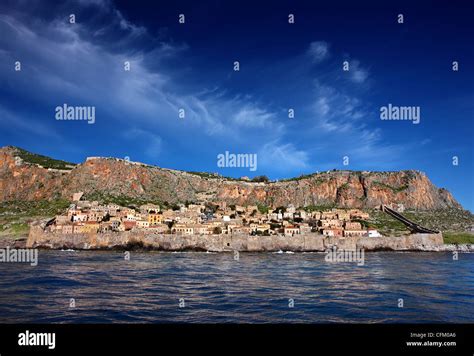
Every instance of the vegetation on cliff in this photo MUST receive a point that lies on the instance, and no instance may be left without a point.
(43, 161)
(122, 200)
(458, 238)
(455, 224)
(15, 216)
(393, 189)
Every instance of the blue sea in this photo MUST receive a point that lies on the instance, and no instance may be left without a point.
(199, 287)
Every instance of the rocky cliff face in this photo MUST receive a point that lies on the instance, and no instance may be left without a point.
(20, 180)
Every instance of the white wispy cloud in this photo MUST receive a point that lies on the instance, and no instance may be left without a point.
(253, 116)
(346, 124)
(283, 157)
(81, 64)
(336, 111)
(318, 51)
(89, 73)
(152, 143)
(357, 73)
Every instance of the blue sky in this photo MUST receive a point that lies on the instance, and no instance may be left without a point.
(282, 66)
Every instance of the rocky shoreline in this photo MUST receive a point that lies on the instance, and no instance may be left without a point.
(12, 242)
(236, 242)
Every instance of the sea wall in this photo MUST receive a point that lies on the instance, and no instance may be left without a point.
(219, 243)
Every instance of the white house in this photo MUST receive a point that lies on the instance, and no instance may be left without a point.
(373, 233)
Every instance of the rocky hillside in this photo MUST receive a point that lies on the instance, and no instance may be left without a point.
(25, 176)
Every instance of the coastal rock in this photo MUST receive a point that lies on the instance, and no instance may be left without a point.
(20, 180)
(464, 248)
